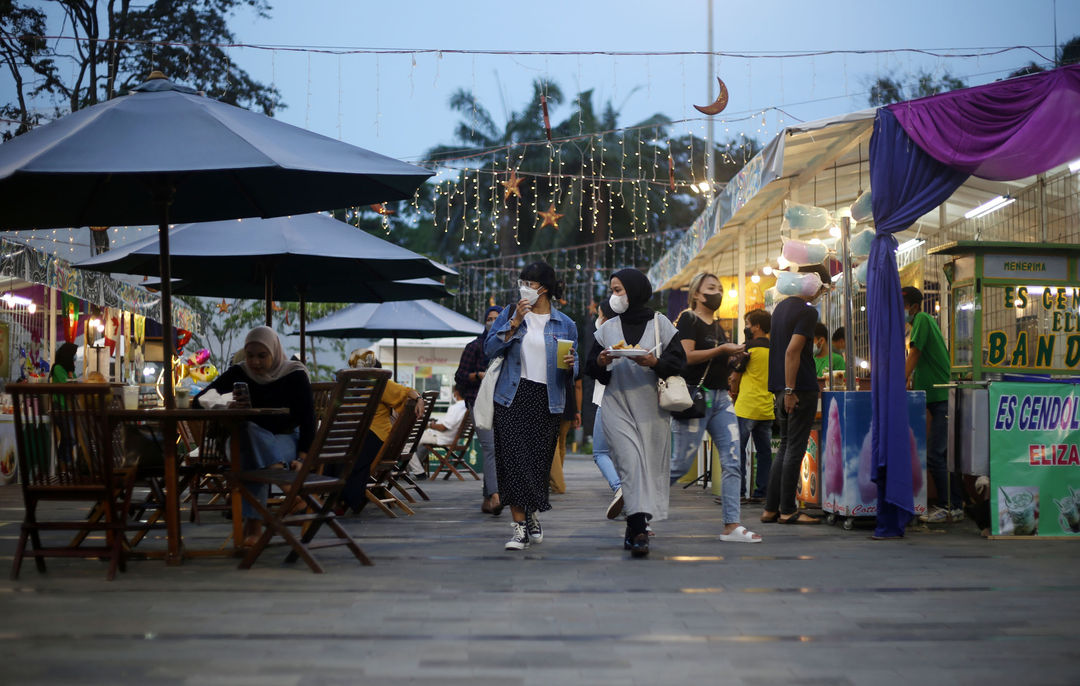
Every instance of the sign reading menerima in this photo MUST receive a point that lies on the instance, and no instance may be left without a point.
(1054, 267)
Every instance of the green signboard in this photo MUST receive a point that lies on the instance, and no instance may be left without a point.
(1035, 459)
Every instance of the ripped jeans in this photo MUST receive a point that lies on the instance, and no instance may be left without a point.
(723, 426)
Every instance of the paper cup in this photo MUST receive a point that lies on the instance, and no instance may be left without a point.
(183, 398)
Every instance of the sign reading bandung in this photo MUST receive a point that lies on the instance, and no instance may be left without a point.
(1056, 346)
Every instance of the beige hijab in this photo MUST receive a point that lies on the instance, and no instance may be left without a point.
(279, 365)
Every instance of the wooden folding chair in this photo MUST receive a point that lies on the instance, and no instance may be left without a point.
(65, 452)
(321, 392)
(456, 455)
(400, 477)
(207, 459)
(378, 488)
(336, 444)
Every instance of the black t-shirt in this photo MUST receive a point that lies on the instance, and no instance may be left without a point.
(292, 391)
(792, 316)
(705, 337)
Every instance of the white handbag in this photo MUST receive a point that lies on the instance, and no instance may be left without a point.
(483, 410)
(672, 392)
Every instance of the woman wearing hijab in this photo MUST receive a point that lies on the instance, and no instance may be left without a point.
(63, 369)
(392, 401)
(530, 396)
(637, 430)
(707, 354)
(273, 381)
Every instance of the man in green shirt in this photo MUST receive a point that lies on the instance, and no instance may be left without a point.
(822, 351)
(928, 365)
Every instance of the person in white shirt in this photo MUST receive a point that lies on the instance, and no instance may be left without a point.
(439, 432)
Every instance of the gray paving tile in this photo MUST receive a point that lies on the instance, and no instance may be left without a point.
(445, 604)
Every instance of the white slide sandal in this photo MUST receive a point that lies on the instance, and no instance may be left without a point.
(741, 534)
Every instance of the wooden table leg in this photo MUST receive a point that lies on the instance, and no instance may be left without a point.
(235, 465)
(174, 555)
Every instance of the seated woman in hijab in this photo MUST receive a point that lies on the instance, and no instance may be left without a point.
(63, 369)
(394, 397)
(279, 442)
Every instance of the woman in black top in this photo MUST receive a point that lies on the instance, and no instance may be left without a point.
(273, 381)
(707, 353)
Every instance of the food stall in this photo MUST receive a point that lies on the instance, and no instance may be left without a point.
(1014, 339)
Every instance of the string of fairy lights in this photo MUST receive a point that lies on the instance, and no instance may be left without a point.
(588, 181)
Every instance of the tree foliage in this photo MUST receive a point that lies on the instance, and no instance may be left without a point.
(116, 45)
(886, 90)
(610, 184)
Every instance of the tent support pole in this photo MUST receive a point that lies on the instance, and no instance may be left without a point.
(268, 293)
(849, 332)
(395, 358)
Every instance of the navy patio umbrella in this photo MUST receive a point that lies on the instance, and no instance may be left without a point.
(307, 257)
(415, 319)
(166, 154)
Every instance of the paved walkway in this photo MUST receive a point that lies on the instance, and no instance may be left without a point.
(446, 605)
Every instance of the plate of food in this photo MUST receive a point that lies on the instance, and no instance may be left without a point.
(621, 349)
(8, 465)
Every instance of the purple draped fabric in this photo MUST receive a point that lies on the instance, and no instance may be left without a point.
(920, 152)
(905, 182)
(1004, 130)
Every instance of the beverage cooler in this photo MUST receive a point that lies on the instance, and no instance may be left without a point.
(848, 491)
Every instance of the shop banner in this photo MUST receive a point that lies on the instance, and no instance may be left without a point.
(1035, 459)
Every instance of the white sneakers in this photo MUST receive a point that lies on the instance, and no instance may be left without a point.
(520, 538)
(615, 507)
(536, 532)
(939, 514)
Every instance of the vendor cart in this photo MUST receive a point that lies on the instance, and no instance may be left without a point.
(1015, 344)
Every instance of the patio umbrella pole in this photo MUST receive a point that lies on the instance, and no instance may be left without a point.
(303, 326)
(395, 357)
(174, 552)
(269, 295)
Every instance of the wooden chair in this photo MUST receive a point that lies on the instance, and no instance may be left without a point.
(207, 459)
(66, 453)
(321, 392)
(400, 477)
(456, 455)
(336, 444)
(378, 488)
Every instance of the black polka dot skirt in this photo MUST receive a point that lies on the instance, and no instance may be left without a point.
(525, 438)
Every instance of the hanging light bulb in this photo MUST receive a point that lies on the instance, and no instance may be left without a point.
(733, 293)
(834, 231)
(754, 278)
(766, 270)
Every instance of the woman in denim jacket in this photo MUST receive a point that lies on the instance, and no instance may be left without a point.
(529, 397)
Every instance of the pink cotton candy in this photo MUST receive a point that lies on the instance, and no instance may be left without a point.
(834, 453)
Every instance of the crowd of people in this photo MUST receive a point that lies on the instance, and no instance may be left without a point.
(767, 385)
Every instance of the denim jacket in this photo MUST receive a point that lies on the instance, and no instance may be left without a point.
(558, 326)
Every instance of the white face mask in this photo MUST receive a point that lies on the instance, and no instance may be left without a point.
(529, 295)
(817, 350)
(619, 303)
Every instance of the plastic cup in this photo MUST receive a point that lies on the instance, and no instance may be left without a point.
(131, 397)
(1021, 509)
(183, 398)
(565, 346)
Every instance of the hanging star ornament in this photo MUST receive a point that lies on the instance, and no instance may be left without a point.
(512, 184)
(551, 217)
(223, 306)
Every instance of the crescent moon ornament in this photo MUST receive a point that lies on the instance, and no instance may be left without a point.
(719, 104)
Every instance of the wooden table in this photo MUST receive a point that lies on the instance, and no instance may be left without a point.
(232, 417)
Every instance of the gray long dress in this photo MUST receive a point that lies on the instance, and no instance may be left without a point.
(637, 430)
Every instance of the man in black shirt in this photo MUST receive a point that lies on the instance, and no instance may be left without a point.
(793, 380)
